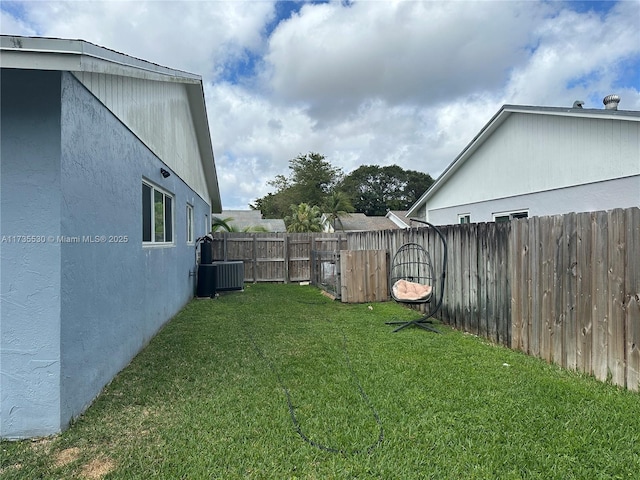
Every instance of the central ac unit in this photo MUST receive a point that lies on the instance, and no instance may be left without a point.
(229, 275)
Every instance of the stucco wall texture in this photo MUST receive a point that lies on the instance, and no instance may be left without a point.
(78, 305)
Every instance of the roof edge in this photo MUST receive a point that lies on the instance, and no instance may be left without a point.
(74, 55)
(81, 55)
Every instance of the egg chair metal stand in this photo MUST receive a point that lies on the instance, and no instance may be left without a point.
(416, 279)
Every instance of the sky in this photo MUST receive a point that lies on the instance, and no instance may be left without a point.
(378, 82)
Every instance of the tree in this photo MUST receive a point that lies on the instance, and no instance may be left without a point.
(311, 179)
(274, 205)
(336, 205)
(224, 224)
(304, 218)
(374, 190)
(218, 224)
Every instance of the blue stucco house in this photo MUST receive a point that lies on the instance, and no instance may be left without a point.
(107, 177)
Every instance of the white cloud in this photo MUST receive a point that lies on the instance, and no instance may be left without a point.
(579, 57)
(389, 82)
(11, 25)
(253, 140)
(197, 36)
(331, 56)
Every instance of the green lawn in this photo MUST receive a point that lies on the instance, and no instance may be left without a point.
(213, 395)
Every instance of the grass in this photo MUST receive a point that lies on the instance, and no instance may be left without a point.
(206, 400)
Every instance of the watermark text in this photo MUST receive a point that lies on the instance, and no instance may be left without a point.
(64, 239)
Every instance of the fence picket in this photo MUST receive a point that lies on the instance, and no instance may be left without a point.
(584, 304)
(616, 271)
(536, 307)
(599, 262)
(559, 263)
(632, 299)
(569, 292)
(517, 261)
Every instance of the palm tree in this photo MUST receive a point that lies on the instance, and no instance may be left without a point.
(218, 224)
(337, 204)
(224, 224)
(304, 218)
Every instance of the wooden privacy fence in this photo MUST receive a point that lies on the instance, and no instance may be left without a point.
(575, 286)
(563, 288)
(476, 295)
(274, 257)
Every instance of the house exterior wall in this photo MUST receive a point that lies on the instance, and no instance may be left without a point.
(618, 193)
(113, 293)
(530, 154)
(30, 204)
(159, 114)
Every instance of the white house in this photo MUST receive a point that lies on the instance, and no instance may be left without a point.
(534, 161)
(108, 178)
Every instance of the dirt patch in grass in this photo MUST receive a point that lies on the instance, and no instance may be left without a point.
(66, 456)
(97, 468)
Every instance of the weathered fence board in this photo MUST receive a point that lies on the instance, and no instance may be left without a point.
(632, 298)
(615, 304)
(584, 305)
(569, 292)
(535, 288)
(474, 319)
(582, 284)
(274, 257)
(599, 262)
(481, 280)
(503, 299)
(516, 294)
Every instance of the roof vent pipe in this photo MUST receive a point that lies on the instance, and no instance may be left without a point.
(611, 102)
(578, 104)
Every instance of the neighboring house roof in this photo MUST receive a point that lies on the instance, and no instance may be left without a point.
(399, 217)
(94, 66)
(242, 219)
(497, 120)
(354, 222)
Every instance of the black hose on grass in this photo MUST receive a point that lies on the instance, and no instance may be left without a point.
(292, 411)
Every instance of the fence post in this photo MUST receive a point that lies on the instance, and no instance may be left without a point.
(285, 255)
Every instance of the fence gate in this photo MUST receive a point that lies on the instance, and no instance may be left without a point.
(325, 271)
(363, 275)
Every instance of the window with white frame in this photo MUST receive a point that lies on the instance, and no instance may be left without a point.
(157, 215)
(508, 216)
(464, 218)
(189, 223)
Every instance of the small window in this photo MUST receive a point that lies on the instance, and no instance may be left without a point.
(508, 216)
(189, 224)
(464, 218)
(157, 215)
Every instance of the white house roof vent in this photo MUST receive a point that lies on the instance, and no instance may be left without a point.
(578, 104)
(611, 102)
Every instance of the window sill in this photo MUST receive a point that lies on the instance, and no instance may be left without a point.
(157, 245)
